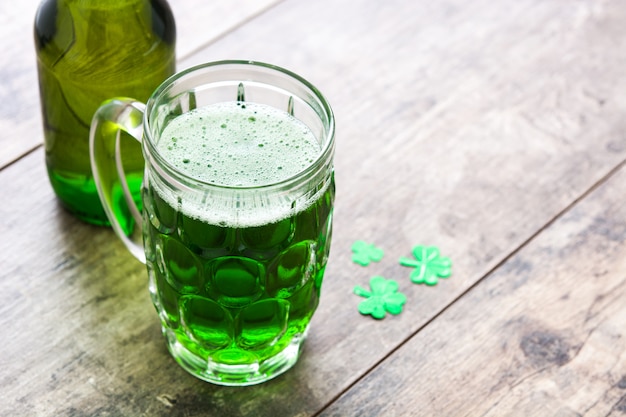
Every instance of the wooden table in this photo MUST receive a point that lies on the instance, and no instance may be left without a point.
(495, 130)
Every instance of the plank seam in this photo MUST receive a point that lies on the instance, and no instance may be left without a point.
(20, 157)
(228, 31)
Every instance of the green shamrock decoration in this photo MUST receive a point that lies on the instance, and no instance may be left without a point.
(383, 297)
(429, 265)
(364, 253)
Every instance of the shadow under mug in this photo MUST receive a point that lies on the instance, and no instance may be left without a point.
(234, 271)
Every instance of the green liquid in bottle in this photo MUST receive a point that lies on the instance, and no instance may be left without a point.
(89, 51)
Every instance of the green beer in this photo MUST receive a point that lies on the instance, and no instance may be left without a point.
(235, 276)
(89, 51)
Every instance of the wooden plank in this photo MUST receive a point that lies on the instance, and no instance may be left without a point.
(545, 335)
(198, 23)
(465, 124)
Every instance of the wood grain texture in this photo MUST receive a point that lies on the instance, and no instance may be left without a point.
(466, 124)
(545, 335)
(20, 128)
(198, 23)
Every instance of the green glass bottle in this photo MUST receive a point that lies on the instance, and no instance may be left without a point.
(89, 51)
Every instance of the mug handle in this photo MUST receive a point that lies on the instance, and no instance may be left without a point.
(109, 168)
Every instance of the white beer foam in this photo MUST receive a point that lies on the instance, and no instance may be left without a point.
(237, 144)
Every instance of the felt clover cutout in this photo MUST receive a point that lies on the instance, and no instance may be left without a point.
(429, 265)
(383, 297)
(364, 253)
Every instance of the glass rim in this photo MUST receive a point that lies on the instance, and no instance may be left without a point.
(326, 150)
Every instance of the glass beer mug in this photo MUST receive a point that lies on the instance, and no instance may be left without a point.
(236, 216)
